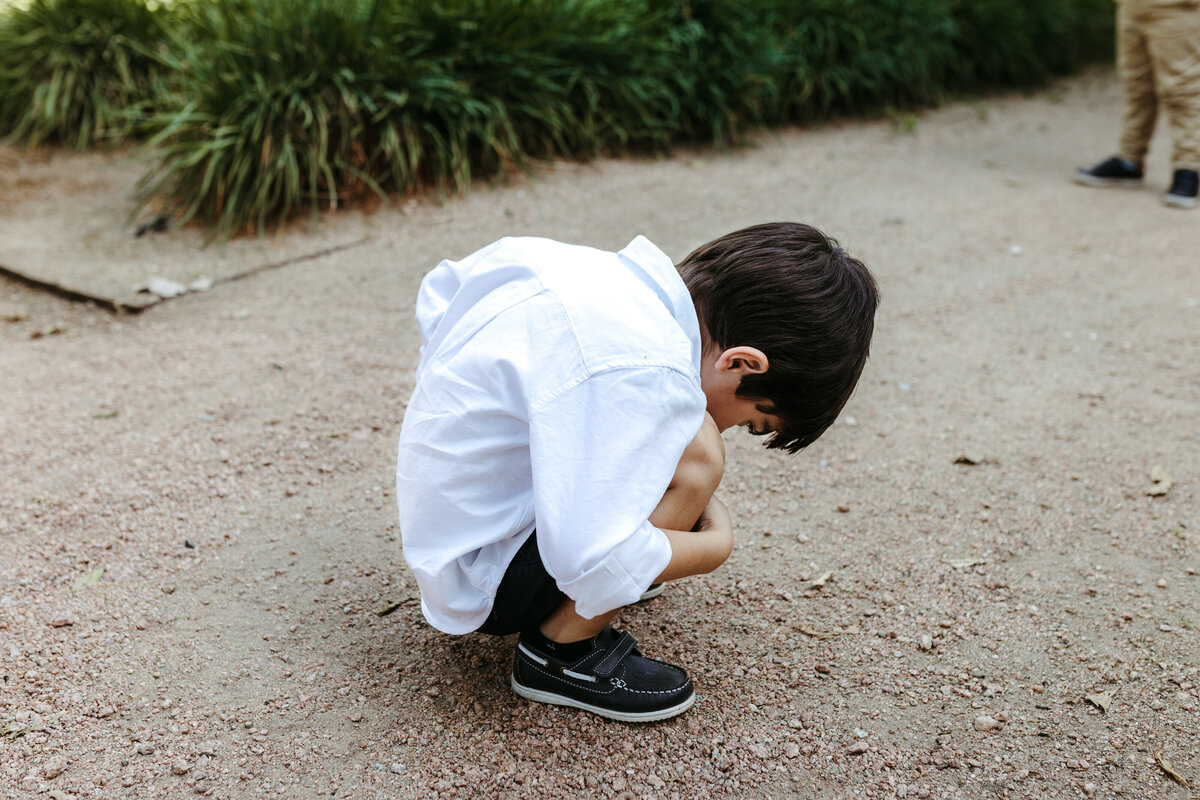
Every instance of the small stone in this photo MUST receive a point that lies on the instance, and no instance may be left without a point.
(843, 508)
(179, 768)
(209, 748)
(64, 621)
(791, 750)
(1089, 789)
(985, 723)
(145, 749)
(857, 749)
(164, 287)
(925, 642)
(356, 717)
(168, 589)
(54, 767)
(189, 544)
(397, 768)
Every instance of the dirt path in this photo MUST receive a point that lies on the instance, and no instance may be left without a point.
(226, 459)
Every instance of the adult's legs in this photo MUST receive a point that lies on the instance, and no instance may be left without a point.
(1136, 69)
(1173, 40)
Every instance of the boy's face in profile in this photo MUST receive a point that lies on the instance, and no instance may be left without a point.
(720, 375)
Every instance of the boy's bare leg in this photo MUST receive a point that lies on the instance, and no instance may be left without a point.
(682, 507)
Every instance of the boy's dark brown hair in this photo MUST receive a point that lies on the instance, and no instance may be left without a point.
(792, 292)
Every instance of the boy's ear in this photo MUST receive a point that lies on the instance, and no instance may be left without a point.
(743, 360)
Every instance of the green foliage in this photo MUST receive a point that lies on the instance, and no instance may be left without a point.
(257, 109)
(858, 56)
(1026, 42)
(75, 71)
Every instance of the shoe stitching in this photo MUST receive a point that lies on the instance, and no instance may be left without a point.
(612, 689)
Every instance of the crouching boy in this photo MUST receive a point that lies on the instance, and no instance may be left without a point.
(562, 445)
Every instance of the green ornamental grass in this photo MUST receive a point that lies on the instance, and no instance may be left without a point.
(77, 72)
(254, 110)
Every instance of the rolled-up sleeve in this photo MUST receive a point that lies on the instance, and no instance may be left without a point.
(603, 453)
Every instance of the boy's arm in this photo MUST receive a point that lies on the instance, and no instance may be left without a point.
(602, 453)
(695, 522)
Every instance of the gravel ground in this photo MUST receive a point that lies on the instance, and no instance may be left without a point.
(202, 592)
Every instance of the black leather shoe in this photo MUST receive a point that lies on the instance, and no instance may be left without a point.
(613, 680)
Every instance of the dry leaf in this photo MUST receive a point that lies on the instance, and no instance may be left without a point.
(1168, 768)
(49, 330)
(971, 458)
(1160, 481)
(91, 579)
(392, 607)
(816, 582)
(963, 563)
(814, 634)
(1101, 700)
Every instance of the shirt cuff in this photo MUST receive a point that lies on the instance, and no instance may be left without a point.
(626, 572)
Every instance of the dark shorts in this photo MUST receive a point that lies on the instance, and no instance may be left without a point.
(527, 594)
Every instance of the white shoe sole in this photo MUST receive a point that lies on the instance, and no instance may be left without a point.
(539, 696)
(652, 592)
(1083, 179)
(1179, 202)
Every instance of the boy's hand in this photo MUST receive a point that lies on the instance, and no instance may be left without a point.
(702, 549)
(716, 516)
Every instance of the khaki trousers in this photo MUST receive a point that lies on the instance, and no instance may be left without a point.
(1158, 57)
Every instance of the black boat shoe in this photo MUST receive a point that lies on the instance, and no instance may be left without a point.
(613, 680)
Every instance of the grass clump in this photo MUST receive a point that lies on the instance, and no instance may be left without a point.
(75, 72)
(258, 109)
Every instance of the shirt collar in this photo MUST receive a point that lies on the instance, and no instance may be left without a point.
(659, 273)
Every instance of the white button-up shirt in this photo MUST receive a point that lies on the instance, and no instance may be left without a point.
(558, 387)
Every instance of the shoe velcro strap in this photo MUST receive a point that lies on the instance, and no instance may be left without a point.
(614, 655)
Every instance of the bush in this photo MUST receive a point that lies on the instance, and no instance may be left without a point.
(256, 109)
(1026, 42)
(77, 72)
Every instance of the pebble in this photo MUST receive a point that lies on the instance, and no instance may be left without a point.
(54, 767)
(397, 768)
(1089, 789)
(985, 723)
(180, 768)
(925, 642)
(857, 749)
(145, 749)
(62, 622)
